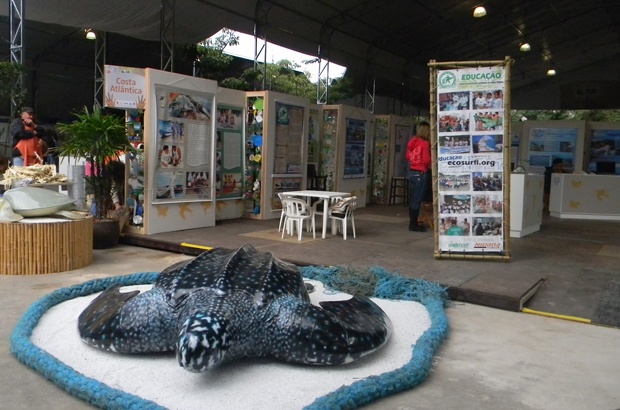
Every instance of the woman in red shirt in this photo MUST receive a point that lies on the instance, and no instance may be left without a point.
(419, 157)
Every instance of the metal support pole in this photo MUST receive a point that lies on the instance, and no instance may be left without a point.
(16, 18)
(258, 52)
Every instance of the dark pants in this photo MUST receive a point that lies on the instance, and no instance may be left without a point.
(418, 183)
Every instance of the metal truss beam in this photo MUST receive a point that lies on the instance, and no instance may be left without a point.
(100, 60)
(166, 34)
(369, 94)
(322, 84)
(16, 21)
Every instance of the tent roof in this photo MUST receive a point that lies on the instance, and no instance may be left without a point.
(392, 40)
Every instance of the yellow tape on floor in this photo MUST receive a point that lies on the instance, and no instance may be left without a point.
(554, 315)
(191, 245)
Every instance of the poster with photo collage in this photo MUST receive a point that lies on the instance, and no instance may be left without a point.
(470, 158)
(184, 146)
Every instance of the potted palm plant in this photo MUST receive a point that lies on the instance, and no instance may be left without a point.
(97, 137)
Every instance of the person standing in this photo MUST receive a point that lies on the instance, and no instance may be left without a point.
(26, 134)
(419, 158)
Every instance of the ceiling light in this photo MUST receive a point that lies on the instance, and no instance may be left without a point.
(480, 11)
(550, 72)
(524, 47)
(90, 34)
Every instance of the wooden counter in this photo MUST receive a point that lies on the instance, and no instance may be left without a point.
(45, 245)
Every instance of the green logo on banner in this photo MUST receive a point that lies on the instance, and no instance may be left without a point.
(447, 79)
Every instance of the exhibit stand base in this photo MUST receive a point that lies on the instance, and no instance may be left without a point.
(585, 196)
(45, 245)
(526, 204)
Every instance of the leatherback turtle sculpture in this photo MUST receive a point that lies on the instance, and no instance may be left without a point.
(224, 305)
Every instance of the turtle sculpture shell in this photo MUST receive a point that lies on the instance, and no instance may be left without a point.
(224, 305)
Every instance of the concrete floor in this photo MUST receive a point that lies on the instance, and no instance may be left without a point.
(492, 359)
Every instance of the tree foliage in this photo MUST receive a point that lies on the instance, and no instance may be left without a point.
(284, 76)
(208, 56)
(581, 115)
(10, 73)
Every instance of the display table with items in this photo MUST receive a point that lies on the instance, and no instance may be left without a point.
(585, 196)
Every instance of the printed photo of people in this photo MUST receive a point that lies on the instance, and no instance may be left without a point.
(454, 182)
(454, 144)
(189, 107)
(602, 148)
(488, 143)
(488, 121)
(487, 181)
(229, 118)
(491, 99)
(196, 182)
(231, 183)
(454, 204)
(455, 226)
(488, 204)
(453, 122)
(487, 226)
(170, 156)
(454, 101)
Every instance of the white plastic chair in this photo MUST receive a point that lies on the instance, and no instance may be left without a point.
(283, 214)
(317, 207)
(343, 211)
(297, 210)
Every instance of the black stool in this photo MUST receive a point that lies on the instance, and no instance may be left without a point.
(399, 188)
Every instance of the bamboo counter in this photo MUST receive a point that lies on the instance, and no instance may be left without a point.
(45, 245)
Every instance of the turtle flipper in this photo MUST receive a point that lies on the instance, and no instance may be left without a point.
(128, 322)
(338, 332)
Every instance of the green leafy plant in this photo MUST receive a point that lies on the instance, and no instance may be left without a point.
(98, 137)
(10, 73)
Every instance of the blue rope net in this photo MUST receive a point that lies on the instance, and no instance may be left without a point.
(375, 282)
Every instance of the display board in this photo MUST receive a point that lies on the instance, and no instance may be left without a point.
(135, 168)
(604, 152)
(229, 152)
(328, 147)
(403, 134)
(355, 149)
(253, 156)
(552, 144)
(472, 177)
(313, 153)
(184, 146)
(392, 133)
(287, 160)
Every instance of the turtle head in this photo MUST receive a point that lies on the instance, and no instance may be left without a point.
(203, 342)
